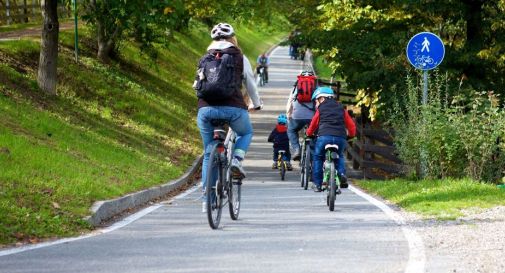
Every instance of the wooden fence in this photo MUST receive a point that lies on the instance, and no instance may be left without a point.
(373, 152)
(24, 11)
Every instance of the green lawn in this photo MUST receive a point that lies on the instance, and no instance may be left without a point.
(441, 199)
(111, 130)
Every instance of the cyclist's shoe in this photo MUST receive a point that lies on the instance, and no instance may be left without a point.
(316, 188)
(296, 156)
(274, 165)
(343, 182)
(204, 206)
(236, 168)
(288, 165)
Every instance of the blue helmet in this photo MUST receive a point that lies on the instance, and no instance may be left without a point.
(282, 119)
(322, 91)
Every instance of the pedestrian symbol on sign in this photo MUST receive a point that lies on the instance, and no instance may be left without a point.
(426, 45)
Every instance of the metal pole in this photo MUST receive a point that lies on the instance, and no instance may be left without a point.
(8, 12)
(425, 88)
(76, 41)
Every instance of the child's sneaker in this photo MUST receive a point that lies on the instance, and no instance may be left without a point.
(288, 165)
(274, 165)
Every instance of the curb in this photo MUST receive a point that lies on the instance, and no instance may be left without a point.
(105, 210)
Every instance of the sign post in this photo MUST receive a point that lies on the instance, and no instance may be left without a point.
(425, 51)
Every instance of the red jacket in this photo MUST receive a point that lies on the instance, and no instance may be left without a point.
(349, 124)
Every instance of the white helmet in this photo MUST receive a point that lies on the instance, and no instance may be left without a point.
(221, 31)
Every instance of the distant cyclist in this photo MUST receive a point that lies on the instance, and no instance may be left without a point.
(279, 138)
(332, 124)
(263, 61)
(225, 102)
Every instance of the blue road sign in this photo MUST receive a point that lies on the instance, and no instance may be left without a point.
(425, 51)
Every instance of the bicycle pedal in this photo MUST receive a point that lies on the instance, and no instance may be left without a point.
(339, 191)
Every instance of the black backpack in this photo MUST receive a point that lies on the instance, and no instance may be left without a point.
(216, 77)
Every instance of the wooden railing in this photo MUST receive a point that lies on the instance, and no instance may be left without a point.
(373, 152)
(24, 11)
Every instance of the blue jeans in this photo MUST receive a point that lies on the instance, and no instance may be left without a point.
(318, 158)
(295, 125)
(239, 122)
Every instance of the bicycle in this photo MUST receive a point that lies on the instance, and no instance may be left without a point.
(305, 161)
(261, 76)
(281, 164)
(331, 181)
(224, 188)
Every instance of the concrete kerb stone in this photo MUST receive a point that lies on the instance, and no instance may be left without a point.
(105, 210)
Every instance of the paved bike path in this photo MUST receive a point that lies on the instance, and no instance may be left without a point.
(282, 228)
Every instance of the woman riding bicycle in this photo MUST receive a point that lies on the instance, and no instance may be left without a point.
(332, 124)
(232, 109)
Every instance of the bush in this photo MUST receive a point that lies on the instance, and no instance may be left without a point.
(450, 136)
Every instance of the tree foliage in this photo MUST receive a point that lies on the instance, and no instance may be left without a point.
(365, 40)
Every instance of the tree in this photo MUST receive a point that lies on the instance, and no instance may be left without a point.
(47, 72)
(145, 20)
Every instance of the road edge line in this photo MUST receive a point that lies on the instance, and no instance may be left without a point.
(417, 256)
(118, 225)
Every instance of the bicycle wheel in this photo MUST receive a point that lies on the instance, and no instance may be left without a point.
(214, 190)
(234, 194)
(283, 170)
(307, 171)
(302, 167)
(333, 188)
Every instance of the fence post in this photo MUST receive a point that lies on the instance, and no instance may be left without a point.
(25, 11)
(33, 8)
(8, 12)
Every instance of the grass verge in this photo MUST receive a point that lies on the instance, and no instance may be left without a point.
(112, 129)
(441, 199)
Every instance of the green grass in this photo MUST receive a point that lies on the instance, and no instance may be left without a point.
(14, 27)
(112, 129)
(322, 69)
(441, 199)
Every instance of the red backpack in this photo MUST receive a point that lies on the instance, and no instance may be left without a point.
(305, 86)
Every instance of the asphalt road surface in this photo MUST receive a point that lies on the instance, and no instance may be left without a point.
(282, 228)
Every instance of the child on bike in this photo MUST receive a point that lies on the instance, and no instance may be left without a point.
(333, 124)
(279, 137)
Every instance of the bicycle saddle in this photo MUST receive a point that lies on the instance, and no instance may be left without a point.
(219, 122)
(331, 147)
(282, 151)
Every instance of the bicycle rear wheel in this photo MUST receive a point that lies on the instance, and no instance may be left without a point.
(333, 188)
(214, 189)
(302, 167)
(234, 194)
(306, 168)
(283, 170)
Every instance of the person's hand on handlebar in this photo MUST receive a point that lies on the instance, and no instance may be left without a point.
(253, 109)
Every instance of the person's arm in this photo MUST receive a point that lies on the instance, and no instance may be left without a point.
(271, 136)
(289, 106)
(250, 84)
(349, 124)
(314, 124)
(268, 61)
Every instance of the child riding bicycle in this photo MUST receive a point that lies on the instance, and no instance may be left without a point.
(280, 139)
(333, 124)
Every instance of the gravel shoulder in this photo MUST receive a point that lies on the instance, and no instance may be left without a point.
(473, 243)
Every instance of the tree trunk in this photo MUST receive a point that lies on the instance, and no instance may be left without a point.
(47, 74)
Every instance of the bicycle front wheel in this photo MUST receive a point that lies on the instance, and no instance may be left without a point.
(333, 188)
(234, 195)
(214, 188)
(302, 167)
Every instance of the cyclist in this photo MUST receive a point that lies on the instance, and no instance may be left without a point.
(299, 112)
(234, 109)
(263, 61)
(280, 139)
(333, 124)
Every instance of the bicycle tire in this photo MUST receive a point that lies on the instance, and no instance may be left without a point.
(302, 167)
(214, 193)
(283, 170)
(234, 195)
(307, 170)
(333, 188)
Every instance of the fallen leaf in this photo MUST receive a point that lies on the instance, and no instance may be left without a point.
(56, 205)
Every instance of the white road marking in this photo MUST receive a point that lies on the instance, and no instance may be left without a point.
(417, 257)
(122, 223)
